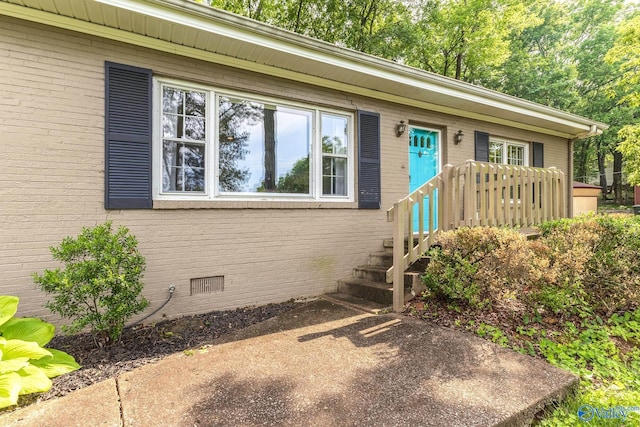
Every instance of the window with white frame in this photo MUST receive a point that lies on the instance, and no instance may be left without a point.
(184, 140)
(508, 152)
(217, 145)
(335, 154)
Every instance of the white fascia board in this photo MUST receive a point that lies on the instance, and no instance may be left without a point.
(203, 18)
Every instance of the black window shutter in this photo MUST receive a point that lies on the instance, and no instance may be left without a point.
(369, 191)
(128, 132)
(538, 155)
(482, 146)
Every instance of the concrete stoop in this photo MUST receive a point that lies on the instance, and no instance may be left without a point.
(368, 282)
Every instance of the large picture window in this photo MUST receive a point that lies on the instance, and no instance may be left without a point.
(263, 148)
(215, 145)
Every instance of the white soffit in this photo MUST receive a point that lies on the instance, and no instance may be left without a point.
(189, 29)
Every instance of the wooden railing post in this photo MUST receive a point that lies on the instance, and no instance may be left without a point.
(469, 199)
(398, 255)
(445, 204)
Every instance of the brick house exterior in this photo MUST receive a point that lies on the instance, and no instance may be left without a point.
(57, 174)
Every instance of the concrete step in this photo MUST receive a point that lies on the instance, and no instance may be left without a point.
(532, 233)
(378, 274)
(382, 259)
(355, 302)
(381, 293)
(420, 265)
(371, 272)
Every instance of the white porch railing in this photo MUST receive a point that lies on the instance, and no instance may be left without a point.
(470, 194)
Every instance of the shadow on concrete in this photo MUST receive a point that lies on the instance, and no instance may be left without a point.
(245, 402)
(322, 364)
(343, 368)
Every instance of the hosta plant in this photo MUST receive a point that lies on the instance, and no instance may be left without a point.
(26, 365)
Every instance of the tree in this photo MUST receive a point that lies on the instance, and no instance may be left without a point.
(560, 63)
(379, 27)
(626, 52)
(539, 67)
(592, 33)
(467, 40)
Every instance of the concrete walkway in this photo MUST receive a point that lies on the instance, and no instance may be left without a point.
(322, 364)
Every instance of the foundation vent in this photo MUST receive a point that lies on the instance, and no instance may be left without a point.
(207, 285)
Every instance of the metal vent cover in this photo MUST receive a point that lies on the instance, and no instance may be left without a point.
(207, 285)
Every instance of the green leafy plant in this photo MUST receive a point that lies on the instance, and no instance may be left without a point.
(493, 334)
(100, 286)
(26, 366)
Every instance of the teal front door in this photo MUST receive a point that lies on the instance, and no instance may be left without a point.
(424, 164)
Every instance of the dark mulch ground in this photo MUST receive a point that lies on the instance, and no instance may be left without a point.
(148, 343)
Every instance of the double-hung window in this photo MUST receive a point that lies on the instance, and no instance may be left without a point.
(335, 154)
(214, 145)
(184, 140)
(508, 152)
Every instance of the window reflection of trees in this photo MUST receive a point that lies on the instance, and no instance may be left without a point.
(261, 147)
(183, 123)
(233, 141)
(238, 120)
(183, 167)
(296, 180)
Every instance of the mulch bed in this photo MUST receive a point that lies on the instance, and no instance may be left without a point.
(149, 342)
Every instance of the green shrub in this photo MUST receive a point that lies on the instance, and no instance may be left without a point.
(598, 255)
(26, 366)
(453, 280)
(585, 266)
(475, 266)
(100, 286)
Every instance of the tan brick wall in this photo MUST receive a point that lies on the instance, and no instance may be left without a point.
(52, 181)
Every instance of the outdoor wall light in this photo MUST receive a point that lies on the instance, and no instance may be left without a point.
(401, 128)
(458, 137)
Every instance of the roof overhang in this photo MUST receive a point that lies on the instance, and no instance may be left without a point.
(189, 29)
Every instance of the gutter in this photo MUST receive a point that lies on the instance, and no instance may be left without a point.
(594, 130)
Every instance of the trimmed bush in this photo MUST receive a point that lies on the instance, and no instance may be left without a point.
(100, 285)
(474, 266)
(587, 265)
(599, 258)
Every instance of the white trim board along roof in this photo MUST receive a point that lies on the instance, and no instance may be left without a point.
(198, 31)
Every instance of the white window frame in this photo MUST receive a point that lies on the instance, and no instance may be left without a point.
(212, 190)
(507, 143)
